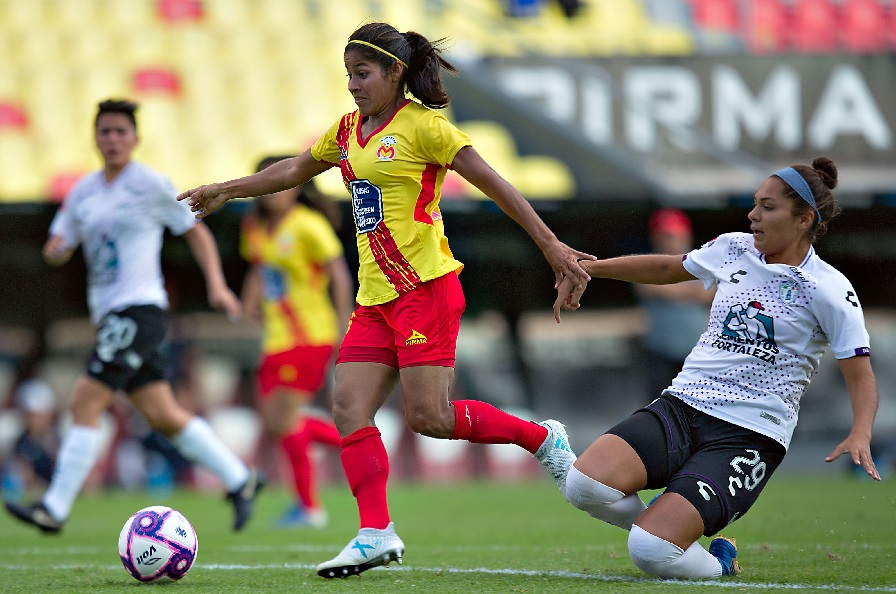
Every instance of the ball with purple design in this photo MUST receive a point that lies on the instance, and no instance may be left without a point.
(157, 544)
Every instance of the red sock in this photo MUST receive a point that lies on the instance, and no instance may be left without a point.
(296, 447)
(478, 422)
(366, 467)
(322, 431)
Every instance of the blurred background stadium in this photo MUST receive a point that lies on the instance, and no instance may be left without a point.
(599, 111)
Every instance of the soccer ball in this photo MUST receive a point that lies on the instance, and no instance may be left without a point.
(157, 544)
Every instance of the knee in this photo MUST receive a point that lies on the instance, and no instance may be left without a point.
(435, 422)
(588, 494)
(651, 554)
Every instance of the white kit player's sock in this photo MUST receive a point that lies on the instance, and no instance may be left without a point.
(602, 502)
(198, 443)
(661, 558)
(77, 454)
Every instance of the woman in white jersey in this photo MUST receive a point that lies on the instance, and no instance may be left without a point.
(119, 214)
(716, 435)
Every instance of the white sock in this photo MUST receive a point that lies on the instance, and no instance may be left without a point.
(78, 453)
(602, 502)
(663, 559)
(198, 443)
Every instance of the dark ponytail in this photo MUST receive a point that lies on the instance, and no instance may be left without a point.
(423, 64)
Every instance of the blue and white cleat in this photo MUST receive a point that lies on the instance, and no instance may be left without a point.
(371, 548)
(299, 516)
(555, 454)
(725, 550)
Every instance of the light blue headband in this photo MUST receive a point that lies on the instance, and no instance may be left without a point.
(793, 179)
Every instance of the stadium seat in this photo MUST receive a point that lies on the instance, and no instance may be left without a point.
(491, 140)
(20, 178)
(130, 16)
(764, 25)
(12, 116)
(21, 15)
(36, 47)
(815, 26)
(136, 48)
(539, 177)
(153, 80)
(717, 23)
(176, 12)
(864, 26)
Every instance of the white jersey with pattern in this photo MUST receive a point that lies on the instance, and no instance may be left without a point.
(121, 226)
(768, 328)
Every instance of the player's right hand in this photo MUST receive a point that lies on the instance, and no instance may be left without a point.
(204, 200)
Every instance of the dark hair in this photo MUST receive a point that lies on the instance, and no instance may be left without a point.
(307, 194)
(122, 106)
(423, 63)
(822, 178)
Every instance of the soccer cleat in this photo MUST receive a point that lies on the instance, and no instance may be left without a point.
(371, 548)
(555, 454)
(36, 515)
(299, 516)
(725, 550)
(243, 499)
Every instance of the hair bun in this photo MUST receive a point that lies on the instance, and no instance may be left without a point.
(826, 169)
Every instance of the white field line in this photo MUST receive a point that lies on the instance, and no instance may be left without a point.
(724, 584)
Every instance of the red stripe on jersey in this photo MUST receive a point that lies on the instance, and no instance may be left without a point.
(427, 193)
(295, 326)
(343, 136)
(391, 261)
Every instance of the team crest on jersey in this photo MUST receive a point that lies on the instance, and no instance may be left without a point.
(748, 331)
(386, 152)
(788, 291)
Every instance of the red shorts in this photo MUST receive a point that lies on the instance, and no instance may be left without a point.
(301, 368)
(417, 328)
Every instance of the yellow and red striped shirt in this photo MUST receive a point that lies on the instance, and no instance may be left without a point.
(297, 307)
(395, 178)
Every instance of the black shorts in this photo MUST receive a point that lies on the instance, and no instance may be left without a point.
(128, 352)
(717, 466)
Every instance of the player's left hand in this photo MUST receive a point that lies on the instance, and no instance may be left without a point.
(569, 293)
(859, 450)
(223, 299)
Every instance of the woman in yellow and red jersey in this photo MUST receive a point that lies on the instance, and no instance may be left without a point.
(299, 285)
(393, 153)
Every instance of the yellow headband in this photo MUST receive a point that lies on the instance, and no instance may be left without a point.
(379, 49)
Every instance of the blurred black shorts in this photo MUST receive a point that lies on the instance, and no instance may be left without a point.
(128, 352)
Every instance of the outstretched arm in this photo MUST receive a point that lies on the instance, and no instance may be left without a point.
(563, 259)
(282, 175)
(652, 269)
(863, 393)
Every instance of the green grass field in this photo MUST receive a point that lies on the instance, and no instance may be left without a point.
(818, 534)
